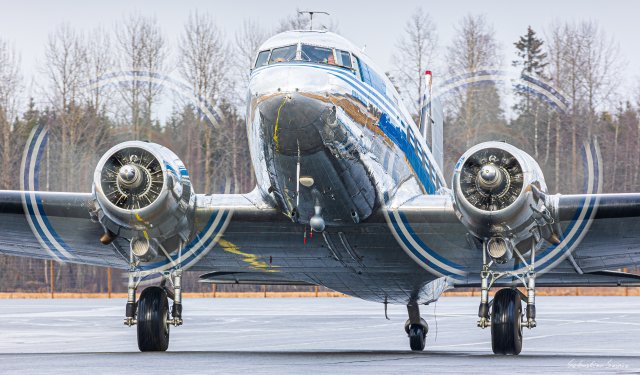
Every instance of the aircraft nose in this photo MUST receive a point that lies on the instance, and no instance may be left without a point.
(294, 122)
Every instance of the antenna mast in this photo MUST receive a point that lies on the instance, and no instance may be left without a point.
(311, 13)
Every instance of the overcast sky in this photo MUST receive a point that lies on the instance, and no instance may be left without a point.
(378, 25)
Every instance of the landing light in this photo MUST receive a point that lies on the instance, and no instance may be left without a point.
(306, 181)
(500, 249)
(143, 249)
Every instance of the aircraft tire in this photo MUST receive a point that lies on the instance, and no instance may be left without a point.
(506, 326)
(153, 320)
(417, 337)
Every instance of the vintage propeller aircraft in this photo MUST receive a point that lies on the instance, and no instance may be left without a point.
(335, 153)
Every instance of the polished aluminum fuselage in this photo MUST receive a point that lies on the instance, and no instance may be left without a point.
(346, 137)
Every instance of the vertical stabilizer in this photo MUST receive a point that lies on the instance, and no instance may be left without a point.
(432, 118)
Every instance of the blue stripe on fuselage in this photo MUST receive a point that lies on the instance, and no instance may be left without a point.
(412, 150)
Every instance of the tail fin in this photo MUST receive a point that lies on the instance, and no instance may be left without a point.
(432, 117)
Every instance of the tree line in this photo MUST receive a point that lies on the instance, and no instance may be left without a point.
(85, 117)
(577, 60)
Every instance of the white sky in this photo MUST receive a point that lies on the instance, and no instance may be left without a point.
(378, 25)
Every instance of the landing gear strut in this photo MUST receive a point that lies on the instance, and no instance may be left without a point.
(416, 328)
(506, 320)
(151, 313)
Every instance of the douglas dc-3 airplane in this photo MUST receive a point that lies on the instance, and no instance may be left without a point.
(349, 196)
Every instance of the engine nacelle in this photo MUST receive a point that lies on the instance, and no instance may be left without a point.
(499, 196)
(142, 192)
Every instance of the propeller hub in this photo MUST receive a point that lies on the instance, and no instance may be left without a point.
(130, 176)
(489, 176)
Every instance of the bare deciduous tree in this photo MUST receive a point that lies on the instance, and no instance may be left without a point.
(204, 57)
(100, 61)
(601, 66)
(585, 65)
(247, 41)
(474, 46)
(65, 58)
(142, 50)
(10, 81)
(99, 98)
(474, 107)
(65, 63)
(204, 64)
(415, 53)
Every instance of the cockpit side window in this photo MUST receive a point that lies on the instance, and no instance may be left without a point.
(370, 76)
(358, 68)
(262, 59)
(344, 58)
(283, 54)
(316, 54)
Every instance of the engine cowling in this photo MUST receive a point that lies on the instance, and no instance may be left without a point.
(499, 195)
(142, 192)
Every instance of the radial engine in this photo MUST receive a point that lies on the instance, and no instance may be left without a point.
(500, 197)
(142, 192)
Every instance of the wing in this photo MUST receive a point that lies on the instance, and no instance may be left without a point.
(51, 226)
(601, 233)
(58, 226)
(600, 236)
(606, 229)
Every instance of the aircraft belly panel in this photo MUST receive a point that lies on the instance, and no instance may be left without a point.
(360, 260)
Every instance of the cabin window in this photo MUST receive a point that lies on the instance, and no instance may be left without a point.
(262, 59)
(315, 54)
(344, 58)
(283, 54)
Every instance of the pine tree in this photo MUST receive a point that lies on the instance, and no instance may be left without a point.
(532, 60)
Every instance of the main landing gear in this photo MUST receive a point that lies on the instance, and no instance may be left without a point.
(416, 328)
(506, 319)
(151, 313)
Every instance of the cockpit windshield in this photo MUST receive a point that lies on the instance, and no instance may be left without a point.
(283, 54)
(317, 54)
(308, 53)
